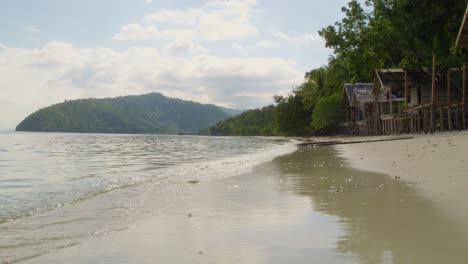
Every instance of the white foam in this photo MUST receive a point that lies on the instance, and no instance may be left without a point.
(226, 167)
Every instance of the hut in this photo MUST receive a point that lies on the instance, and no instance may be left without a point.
(363, 100)
(408, 98)
(358, 103)
(356, 100)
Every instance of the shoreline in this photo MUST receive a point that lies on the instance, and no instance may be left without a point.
(310, 206)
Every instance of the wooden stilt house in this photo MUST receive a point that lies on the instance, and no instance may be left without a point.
(358, 103)
(358, 106)
(407, 99)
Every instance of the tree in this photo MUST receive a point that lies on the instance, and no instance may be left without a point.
(327, 112)
(291, 117)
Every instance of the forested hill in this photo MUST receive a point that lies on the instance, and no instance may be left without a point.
(257, 122)
(149, 113)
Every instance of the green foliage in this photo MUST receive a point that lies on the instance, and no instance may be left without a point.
(257, 122)
(327, 113)
(291, 117)
(396, 33)
(150, 113)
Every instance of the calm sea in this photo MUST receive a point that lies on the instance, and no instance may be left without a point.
(58, 190)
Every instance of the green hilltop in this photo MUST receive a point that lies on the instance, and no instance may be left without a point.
(149, 114)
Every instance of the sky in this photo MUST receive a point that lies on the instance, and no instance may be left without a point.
(233, 53)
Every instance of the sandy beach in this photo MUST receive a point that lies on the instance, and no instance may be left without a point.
(339, 204)
(434, 164)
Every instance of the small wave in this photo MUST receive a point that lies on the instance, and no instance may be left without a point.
(15, 186)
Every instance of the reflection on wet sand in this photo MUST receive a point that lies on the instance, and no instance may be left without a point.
(384, 220)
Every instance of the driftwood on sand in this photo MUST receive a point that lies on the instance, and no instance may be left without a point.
(331, 143)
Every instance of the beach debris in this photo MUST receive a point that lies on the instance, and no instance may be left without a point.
(381, 186)
(189, 215)
(334, 189)
(330, 143)
(200, 252)
(193, 181)
(397, 177)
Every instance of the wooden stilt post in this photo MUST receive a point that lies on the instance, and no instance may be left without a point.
(418, 123)
(464, 94)
(432, 128)
(411, 123)
(433, 92)
(448, 87)
(433, 78)
(424, 121)
(442, 125)
(449, 118)
(406, 89)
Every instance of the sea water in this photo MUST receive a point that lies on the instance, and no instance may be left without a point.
(62, 189)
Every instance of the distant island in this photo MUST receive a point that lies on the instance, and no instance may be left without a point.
(151, 113)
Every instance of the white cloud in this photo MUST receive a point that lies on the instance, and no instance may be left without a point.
(148, 2)
(304, 38)
(182, 47)
(267, 44)
(60, 71)
(216, 27)
(186, 17)
(216, 20)
(3, 46)
(135, 31)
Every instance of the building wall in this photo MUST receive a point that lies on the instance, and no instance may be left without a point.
(440, 95)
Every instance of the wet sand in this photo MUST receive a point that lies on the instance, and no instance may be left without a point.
(312, 206)
(437, 166)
